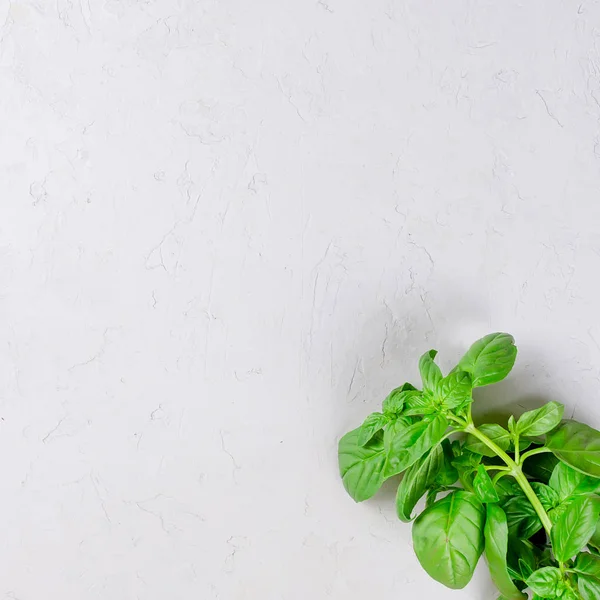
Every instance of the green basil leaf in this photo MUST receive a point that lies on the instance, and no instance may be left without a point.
(405, 429)
(545, 558)
(595, 539)
(393, 428)
(431, 497)
(541, 420)
(507, 487)
(521, 517)
(496, 433)
(521, 557)
(411, 443)
(540, 466)
(456, 448)
(466, 464)
(589, 587)
(575, 526)
(578, 445)
(557, 511)
(483, 486)
(587, 564)
(545, 581)
(419, 404)
(407, 387)
(496, 548)
(587, 567)
(569, 482)
(430, 372)
(512, 574)
(415, 482)
(448, 538)
(525, 569)
(361, 467)
(447, 474)
(548, 497)
(394, 403)
(454, 390)
(372, 425)
(489, 359)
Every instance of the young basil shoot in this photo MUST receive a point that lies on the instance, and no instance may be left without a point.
(525, 495)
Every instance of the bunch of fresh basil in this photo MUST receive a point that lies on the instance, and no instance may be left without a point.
(526, 495)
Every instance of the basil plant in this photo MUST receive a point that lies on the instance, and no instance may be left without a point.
(525, 495)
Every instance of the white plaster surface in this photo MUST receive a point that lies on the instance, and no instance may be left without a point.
(227, 229)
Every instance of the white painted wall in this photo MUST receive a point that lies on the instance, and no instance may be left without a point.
(227, 229)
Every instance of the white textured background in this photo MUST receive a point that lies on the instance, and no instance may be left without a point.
(227, 229)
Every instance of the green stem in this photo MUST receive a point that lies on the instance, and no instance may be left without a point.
(499, 476)
(447, 435)
(457, 421)
(533, 452)
(517, 473)
(496, 468)
(535, 501)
